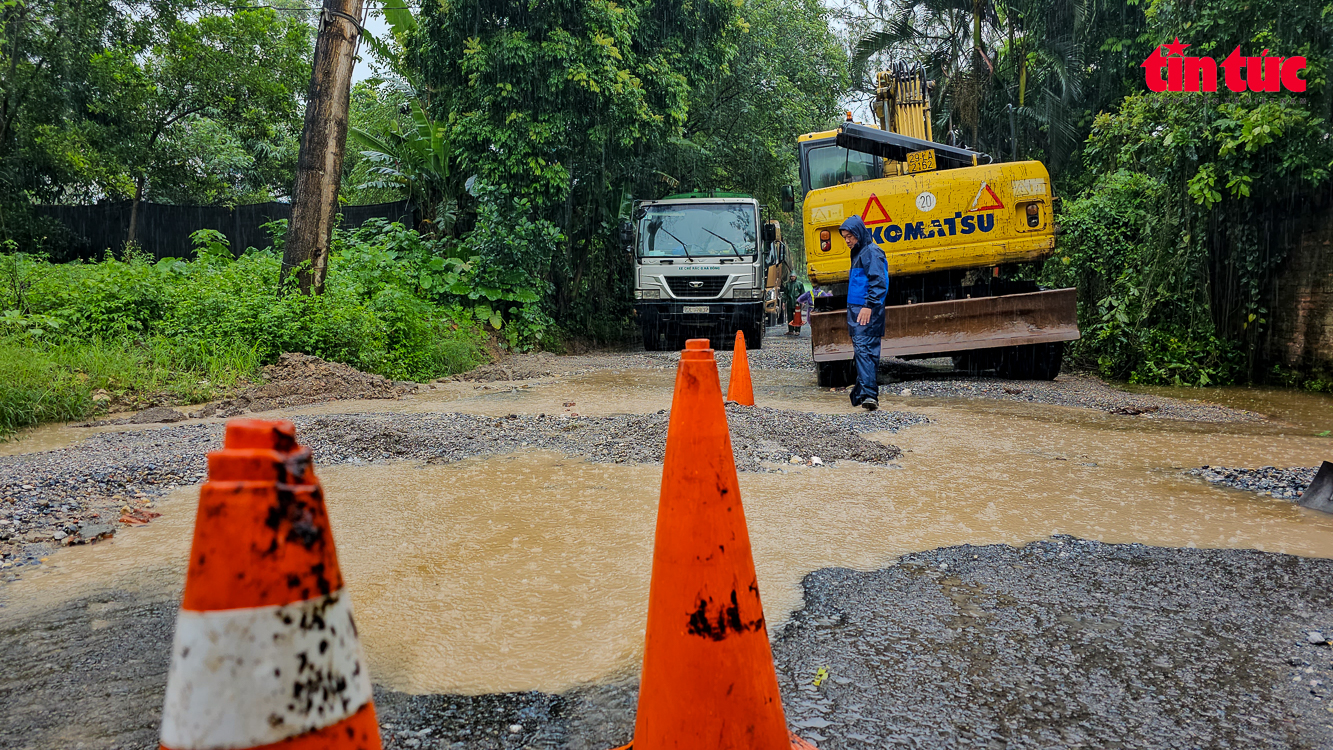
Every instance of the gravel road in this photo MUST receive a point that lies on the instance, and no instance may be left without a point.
(929, 378)
(1084, 391)
(1062, 643)
(1284, 484)
(82, 493)
(1059, 644)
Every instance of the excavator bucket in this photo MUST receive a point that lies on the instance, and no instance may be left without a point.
(1319, 495)
(956, 325)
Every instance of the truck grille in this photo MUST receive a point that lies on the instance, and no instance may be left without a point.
(696, 286)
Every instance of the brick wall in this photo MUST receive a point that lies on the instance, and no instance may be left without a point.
(1302, 333)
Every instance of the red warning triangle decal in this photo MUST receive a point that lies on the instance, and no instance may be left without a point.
(994, 199)
(865, 215)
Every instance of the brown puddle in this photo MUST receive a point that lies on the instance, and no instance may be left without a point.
(530, 571)
(1312, 411)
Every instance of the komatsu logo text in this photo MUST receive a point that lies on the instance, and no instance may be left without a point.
(946, 227)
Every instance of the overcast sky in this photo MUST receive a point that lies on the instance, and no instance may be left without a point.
(375, 25)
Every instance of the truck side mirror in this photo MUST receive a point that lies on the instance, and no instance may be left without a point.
(782, 253)
(626, 233)
(788, 199)
(770, 233)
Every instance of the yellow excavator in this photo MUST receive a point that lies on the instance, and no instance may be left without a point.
(960, 234)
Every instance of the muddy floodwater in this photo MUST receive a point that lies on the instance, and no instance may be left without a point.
(530, 571)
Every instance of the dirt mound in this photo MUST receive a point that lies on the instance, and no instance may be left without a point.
(298, 379)
(521, 367)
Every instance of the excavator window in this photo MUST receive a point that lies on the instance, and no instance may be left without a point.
(824, 164)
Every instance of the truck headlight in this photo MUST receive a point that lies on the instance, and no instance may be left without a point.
(747, 293)
(648, 294)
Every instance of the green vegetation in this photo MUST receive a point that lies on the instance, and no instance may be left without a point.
(187, 331)
(1192, 202)
(50, 378)
(530, 128)
(1180, 207)
(164, 101)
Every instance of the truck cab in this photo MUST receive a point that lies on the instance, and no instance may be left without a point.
(699, 269)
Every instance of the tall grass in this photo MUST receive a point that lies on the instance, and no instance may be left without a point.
(55, 381)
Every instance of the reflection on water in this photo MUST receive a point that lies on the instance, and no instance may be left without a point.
(530, 571)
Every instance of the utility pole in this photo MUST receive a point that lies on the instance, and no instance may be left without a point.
(323, 140)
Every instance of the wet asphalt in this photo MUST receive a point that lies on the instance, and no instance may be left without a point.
(1058, 644)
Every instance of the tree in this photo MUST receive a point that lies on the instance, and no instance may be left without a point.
(1212, 189)
(323, 139)
(238, 70)
(1052, 63)
(84, 84)
(376, 107)
(418, 160)
(786, 80)
(46, 47)
(563, 112)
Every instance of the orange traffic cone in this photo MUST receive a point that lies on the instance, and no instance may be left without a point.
(739, 388)
(266, 653)
(796, 319)
(708, 679)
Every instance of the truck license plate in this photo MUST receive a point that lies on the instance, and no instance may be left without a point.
(921, 161)
(694, 309)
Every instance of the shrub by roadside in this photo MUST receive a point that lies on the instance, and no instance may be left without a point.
(180, 332)
(64, 379)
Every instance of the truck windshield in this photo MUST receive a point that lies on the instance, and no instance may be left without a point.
(829, 165)
(697, 230)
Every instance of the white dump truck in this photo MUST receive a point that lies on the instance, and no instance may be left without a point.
(700, 268)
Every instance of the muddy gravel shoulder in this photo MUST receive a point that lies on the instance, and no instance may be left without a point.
(85, 492)
(1059, 643)
(931, 378)
(1280, 483)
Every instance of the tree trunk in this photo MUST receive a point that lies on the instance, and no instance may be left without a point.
(323, 139)
(133, 234)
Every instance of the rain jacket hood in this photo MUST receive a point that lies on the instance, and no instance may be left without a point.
(864, 237)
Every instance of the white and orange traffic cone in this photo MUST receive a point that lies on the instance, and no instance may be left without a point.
(266, 653)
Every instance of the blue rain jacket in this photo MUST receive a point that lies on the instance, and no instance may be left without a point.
(868, 281)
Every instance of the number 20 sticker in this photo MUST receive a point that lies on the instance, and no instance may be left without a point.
(925, 201)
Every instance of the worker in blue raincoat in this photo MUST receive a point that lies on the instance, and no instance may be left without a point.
(867, 286)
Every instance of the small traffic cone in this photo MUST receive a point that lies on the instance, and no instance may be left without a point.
(266, 652)
(708, 679)
(796, 319)
(739, 388)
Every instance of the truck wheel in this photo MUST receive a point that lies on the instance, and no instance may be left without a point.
(754, 334)
(652, 338)
(677, 336)
(839, 374)
(1032, 361)
(976, 362)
